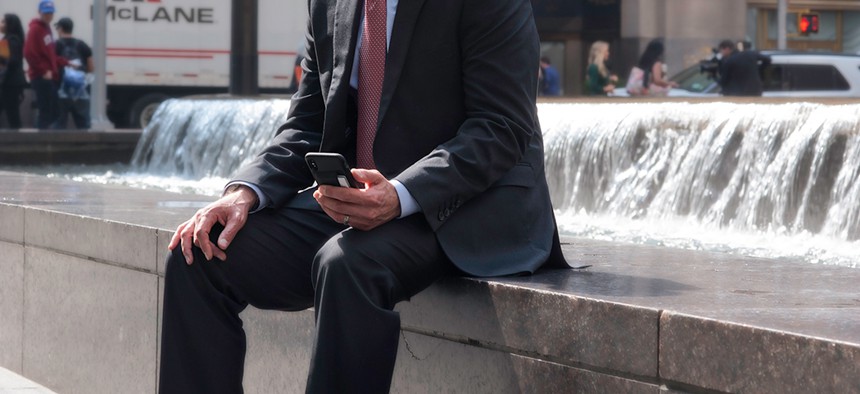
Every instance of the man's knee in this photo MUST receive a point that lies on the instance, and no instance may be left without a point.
(342, 259)
(330, 260)
(175, 264)
(348, 267)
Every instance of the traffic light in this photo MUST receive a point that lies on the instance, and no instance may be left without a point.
(807, 24)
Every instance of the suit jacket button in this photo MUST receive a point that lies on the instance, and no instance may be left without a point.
(441, 216)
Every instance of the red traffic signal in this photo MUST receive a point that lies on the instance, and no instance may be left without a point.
(807, 23)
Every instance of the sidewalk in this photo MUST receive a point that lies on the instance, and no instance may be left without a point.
(12, 383)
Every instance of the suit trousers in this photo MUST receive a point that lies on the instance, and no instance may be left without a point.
(292, 259)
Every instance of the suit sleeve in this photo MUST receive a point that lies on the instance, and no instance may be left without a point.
(280, 170)
(500, 52)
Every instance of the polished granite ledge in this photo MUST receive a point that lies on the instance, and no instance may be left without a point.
(87, 262)
(39, 147)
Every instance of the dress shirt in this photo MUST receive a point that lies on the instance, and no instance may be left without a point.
(408, 205)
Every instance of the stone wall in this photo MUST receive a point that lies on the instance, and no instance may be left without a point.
(81, 290)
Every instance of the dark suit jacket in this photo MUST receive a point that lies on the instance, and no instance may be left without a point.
(458, 125)
(740, 73)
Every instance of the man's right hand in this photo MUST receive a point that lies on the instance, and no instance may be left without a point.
(48, 75)
(231, 210)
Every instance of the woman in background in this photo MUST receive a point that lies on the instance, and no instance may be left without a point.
(647, 78)
(12, 79)
(598, 80)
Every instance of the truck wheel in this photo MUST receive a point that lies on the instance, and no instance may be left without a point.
(143, 109)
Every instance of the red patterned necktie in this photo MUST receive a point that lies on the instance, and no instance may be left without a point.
(371, 70)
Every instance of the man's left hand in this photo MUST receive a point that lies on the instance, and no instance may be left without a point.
(363, 209)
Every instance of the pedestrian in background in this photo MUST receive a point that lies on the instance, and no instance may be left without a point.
(44, 71)
(648, 78)
(74, 98)
(740, 71)
(551, 82)
(598, 80)
(12, 80)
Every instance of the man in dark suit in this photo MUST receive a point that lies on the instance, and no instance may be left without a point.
(434, 102)
(740, 71)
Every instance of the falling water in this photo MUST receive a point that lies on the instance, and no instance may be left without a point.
(757, 179)
(694, 174)
(207, 137)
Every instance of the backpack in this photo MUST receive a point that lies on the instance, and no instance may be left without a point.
(74, 81)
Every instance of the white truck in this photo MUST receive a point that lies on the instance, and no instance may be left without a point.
(157, 49)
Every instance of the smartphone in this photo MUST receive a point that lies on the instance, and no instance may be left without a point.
(330, 169)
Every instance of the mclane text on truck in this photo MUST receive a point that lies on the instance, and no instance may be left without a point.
(158, 49)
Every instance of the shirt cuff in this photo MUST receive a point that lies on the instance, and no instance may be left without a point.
(262, 200)
(408, 205)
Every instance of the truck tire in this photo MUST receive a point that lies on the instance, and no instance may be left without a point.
(143, 108)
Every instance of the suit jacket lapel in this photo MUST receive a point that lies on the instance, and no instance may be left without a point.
(346, 19)
(401, 35)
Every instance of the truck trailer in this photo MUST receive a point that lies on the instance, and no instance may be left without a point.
(158, 49)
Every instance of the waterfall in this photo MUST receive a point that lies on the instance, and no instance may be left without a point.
(788, 168)
(198, 138)
(642, 172)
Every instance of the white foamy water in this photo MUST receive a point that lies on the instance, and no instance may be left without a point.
(692, 235)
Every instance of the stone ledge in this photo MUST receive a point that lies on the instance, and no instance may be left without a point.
(67, 146)
(736, 358)
(640, 318)
(574, 331)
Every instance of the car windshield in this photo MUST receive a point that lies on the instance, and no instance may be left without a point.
(694, 80)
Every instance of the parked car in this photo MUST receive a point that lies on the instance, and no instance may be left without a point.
(791, 74)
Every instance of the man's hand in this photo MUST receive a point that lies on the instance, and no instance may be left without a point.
(48, 75)
(366, 208)
(231, 210)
